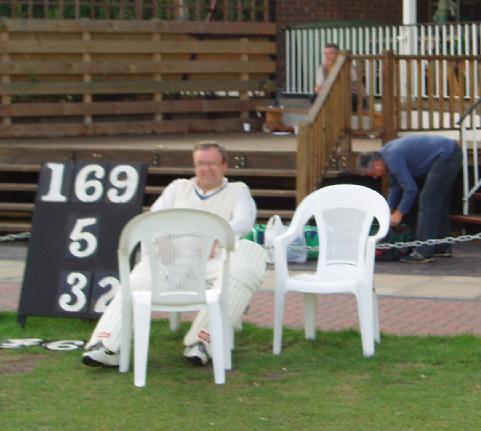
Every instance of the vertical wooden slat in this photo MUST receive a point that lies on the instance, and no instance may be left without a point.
(61, 9)
(239, 10)
(87, 98)
(226, 10)
(139, 6)
(419, 93)
(371, 92)
(442, 91)
(472, 80)
(197, 10)
(452, 92)
(244, 77)
(397, 78)
(302, 160)
(409, 93)
(77, 9)
(30, 9)
(462, 85)
(430, 91)
(266, 11)
(5, 79)
(388, 95)
(107, 9)
(253, 10)
(157, 77)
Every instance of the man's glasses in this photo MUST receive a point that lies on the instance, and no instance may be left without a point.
(208, 164)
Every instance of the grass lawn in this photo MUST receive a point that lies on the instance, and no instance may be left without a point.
(412, 383)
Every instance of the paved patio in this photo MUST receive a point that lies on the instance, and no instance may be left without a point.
(443, 298)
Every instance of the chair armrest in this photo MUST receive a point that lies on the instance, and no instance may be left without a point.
(280, 243)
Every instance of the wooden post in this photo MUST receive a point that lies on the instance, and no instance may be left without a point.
(390, 126)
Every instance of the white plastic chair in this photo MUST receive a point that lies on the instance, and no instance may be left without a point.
(344, 215)
(178, 244)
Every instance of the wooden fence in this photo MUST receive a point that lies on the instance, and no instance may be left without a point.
(70, 78)
(197, 10)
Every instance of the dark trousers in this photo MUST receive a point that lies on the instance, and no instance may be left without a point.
(434, 202)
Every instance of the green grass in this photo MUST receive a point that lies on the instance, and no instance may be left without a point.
(412, 383)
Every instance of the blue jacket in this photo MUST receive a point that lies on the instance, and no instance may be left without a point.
(408, 158)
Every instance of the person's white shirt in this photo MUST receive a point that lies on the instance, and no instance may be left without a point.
(243, 213)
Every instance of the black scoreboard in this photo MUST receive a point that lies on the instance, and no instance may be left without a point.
(80, 210)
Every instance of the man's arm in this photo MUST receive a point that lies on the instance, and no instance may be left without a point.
(166, 199)
(244, 213)
(402, 193)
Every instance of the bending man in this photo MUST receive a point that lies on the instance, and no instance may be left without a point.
(210, 191)
(406, 159)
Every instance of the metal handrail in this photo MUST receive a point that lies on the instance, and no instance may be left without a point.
(468, 190)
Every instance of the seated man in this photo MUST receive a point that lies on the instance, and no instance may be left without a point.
(406, 159)
(210, 191)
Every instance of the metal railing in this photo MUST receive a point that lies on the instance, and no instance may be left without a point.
(303, 46)
(471, 143)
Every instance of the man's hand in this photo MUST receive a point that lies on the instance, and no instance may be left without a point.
(317, 89)
(396, 218)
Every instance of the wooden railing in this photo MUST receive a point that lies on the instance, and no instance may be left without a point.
(325, 134)
(418, 93)
(197, 10)
(70, 78)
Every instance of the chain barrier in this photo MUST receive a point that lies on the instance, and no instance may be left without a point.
(399, 245)
(381, 246)
(15, 236)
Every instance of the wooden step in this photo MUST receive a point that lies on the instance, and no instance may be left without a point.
(233, 172)
(16, 206)
(274, 193)
(15, 226)
(18, 187)
(476, 196)
(20, 167)
(467, 219)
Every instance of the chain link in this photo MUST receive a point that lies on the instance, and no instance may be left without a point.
(15, 236)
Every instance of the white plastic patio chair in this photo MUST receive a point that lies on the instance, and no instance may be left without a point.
(178, 244)
(344, 215)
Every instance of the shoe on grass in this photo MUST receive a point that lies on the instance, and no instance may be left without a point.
(416, 257)
(197, 354)
(100, 356)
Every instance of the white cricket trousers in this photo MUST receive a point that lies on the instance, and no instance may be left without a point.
(247, 272)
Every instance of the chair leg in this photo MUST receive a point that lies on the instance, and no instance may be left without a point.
(377, 330)
(310, 316)
(278, 320)
(174, 321)
(219, 345)
(142, 301)
(366, 319)
(126, 333)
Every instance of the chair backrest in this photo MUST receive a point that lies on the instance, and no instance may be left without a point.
(178, 243)
(344, 215)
